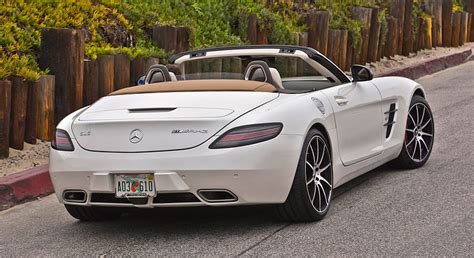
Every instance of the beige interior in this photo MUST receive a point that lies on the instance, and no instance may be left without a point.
(199, 85)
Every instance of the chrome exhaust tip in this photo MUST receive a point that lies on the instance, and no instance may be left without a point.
(217, 195)
(78, 196)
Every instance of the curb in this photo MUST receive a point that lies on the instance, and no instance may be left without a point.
(24, 186)
(430, 66)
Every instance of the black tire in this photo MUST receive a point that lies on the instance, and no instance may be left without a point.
(410, 156)
(87, 213)
(298, 206)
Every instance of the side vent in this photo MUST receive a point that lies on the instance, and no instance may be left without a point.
(390, 122)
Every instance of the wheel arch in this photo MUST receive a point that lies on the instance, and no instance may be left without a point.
(419, 92)
(324, 131)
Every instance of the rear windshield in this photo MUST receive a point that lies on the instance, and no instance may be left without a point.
(294, 72)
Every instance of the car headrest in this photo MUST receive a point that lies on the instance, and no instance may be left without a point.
(260, 71)
(276, 77)
(157, 73)
(173, 76)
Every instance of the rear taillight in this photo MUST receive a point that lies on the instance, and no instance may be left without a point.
(248, 134)
(62, 141)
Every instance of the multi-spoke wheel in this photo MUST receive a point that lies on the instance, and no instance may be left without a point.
(419, 135)
(311, 192)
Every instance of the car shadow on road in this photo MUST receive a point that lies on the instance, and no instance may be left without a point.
(203, 219)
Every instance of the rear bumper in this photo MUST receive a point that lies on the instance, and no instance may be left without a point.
(257, 174)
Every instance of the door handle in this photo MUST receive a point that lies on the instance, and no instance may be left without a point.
(341, 100)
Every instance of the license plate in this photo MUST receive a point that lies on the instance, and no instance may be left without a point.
(140, 185)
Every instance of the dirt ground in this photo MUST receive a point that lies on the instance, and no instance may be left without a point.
(35, 155)
(30, 156)
(386, 64)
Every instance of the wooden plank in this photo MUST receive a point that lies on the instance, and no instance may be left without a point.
(252, 29)
(407, 45)
(318, 30)
(159, 36)
(374, 36)
(45, 127)
(427, 36)
(391, 43)
(463, 37)
(333, 46)
(397, 10)
(182, 39)
(5, 111)
(456, 32)
(382, 39)
(434, 8)
(121, 71)
(19, 102)
(31, 119)
(62, 52)
(447, 16)
(469, 7)
(470, 32)
(418, 42)
(343, 39)
(106, 74)
(262, 37)
(349, 52)
(137, 70)
(302, 41)
(364, 15)
(91, 81)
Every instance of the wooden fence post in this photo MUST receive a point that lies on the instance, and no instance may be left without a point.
(121, 71)
(45, 127)
(469, 7)
(397, 10)
(374, 36)
(456, 31)
(106, 74)
(333, 48)
(447, 22)
(182, 39)
(407, 46)
(252, 29)
(91, 81)
(318, 30)
(470, 28)
(62, 52)
(165, 37)
(19, 103)
(5, 110)
(137, 69)
(302, 41)
(262, 37)
(427, 36)
(435, 9)
(31, 118)
(390, 48)
(463, 37)
(349, 51)
(363, 15)
(418, 42)
(343, 49)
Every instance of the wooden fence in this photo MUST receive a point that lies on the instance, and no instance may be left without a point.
(31, 110)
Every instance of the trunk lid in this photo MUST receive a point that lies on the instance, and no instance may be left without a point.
(161, 121)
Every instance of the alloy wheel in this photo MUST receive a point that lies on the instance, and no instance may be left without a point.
(419, 132)
(318, 173)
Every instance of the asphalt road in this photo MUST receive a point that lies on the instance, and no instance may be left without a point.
(428, 211)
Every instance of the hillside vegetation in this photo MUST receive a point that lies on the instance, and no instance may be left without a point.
(114, 26)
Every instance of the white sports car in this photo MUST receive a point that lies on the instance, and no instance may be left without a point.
(239, 125)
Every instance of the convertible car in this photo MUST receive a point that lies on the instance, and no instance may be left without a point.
(245, 125)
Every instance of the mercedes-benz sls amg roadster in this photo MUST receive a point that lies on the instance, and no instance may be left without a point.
(246, 125)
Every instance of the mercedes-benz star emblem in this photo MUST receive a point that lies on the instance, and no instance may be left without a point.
(136, 136)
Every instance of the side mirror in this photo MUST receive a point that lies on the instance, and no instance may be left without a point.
(141, 81)
(361, 73)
